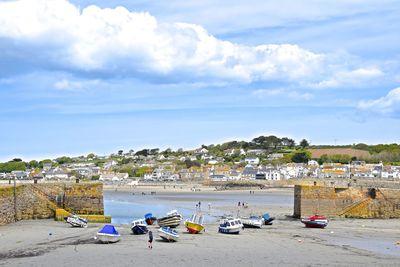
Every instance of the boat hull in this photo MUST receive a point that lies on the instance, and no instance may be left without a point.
(269, 221)
(252, 225)
(107, 238)
(170, 221)
(232, 231)
(194, 228)
(139, 229)
(314, 224)
(76, 221)
(167, 235)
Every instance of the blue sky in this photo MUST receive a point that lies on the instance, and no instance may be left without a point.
(87, 76)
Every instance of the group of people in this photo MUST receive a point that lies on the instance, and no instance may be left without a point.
(243, 204)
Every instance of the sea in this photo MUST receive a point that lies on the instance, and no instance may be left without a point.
(124, 206)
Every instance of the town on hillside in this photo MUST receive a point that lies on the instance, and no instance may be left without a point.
(267, 158)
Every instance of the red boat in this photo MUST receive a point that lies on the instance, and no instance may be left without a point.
(149, 218)
(316, 221)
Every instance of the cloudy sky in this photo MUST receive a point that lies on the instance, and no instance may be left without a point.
(84, 76)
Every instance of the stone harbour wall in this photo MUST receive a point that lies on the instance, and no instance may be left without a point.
(350, 202)
(39, 201)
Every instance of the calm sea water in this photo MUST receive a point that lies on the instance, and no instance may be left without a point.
(126, 206)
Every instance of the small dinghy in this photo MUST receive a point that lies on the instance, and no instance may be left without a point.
(194, 225)
(173, 219)
(168, 234)
(139, 227)
(150, 219)
(252, 221)
(315, 221)
(76, 221)
(108, 234)
(230, 226)
(268, 219)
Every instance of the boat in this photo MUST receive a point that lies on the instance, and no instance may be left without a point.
(108, 234)
(76, 221)
(150, 219)
(194, 225)
(139, 227)
(168, 234)
(252, 221)
(268, 219)
(173, 219)
(316, 221)
(230, 226)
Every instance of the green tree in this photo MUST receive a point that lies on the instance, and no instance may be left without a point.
(91, 156)
(301, 156)
(12, 166)
(304, 143)
(63, 160)
(33, 164)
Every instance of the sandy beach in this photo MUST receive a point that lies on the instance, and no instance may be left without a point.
(285, 243)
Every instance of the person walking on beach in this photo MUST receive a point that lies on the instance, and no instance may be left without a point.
(239, 204)
(150, 240)
(199, 205)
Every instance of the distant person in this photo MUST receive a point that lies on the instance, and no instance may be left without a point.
(199, 204)
(150, 240)
(239, 204)
(242, 204)
(209, 205)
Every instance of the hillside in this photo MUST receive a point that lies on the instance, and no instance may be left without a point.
(318, 152)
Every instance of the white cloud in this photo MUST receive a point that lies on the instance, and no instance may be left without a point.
(116, 42)
(66, 84)
(266, 93)
(355, 77)
(389, 104)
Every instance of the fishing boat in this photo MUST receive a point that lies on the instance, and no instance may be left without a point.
(230, 226)
(150, 219)
(173, 219)
(316, 221)
(252, 221)
(108, 234)
(194, 225)
(139, 227)
(168, 234)
(268, 219)
(76, 221)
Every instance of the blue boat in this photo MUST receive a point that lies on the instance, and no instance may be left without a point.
(230, 226)
(108, 234)
(268, 219)
(139, 227)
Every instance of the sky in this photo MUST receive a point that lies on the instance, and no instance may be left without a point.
(84, 76)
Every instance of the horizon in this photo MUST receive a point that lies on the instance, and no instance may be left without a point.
(96, 76)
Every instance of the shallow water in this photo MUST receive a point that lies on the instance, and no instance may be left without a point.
(378, 246)
(126, 206)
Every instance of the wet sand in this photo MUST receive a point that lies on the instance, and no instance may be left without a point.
(285, 243)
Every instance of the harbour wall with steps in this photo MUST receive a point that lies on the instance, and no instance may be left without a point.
(348, 202)
(41, 201)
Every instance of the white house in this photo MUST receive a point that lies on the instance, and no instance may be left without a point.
(252, 160)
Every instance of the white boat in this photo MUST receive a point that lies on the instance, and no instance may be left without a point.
(139, 227)
(168, 234)
(230, 226)
(108, 234)
(252, 221)
(76, 221)
(173, 219)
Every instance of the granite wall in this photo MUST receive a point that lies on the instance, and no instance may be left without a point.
(37, 201)
(354, 202)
